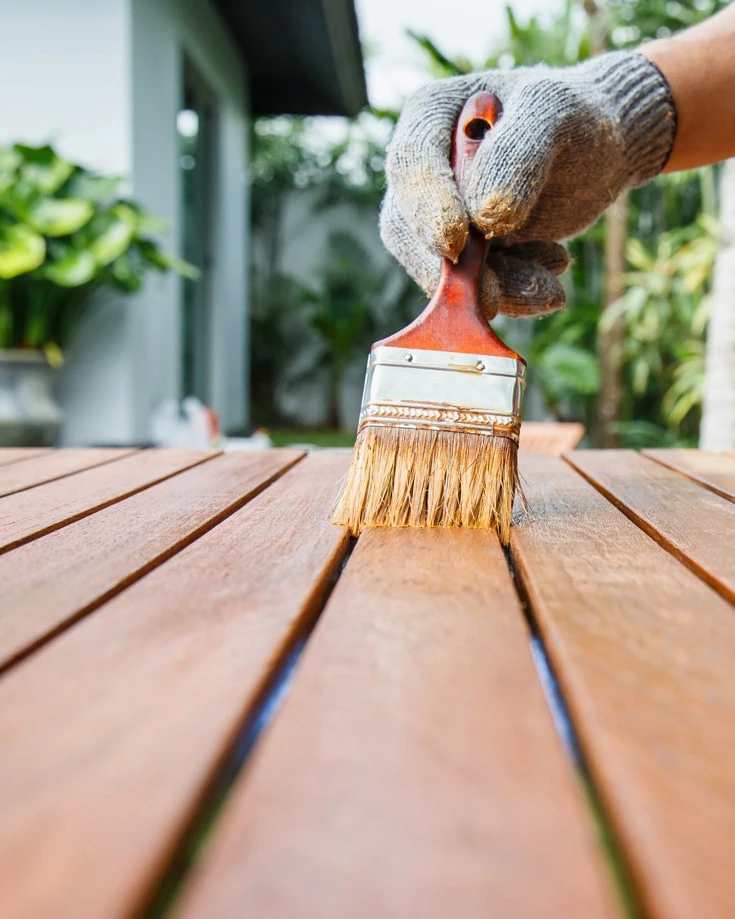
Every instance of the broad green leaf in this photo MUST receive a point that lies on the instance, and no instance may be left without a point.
(42, 155)
(43, 169)
(568, 371)
(116, 237)
(59, 216)
(72, 270)
(91, 187)
(10, 159)
(155, 256)
(21, 250)
(641, 371)
(126, 275)
(638, 256)
(150, 223)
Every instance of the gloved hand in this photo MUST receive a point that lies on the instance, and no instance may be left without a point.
(568, 142)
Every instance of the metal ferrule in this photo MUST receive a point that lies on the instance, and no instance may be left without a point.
(441, 390)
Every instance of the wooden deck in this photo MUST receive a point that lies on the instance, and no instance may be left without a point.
(213, 704)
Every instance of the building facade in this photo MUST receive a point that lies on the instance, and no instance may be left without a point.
(161, 92)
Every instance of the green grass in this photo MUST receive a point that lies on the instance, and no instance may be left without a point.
(283, 437)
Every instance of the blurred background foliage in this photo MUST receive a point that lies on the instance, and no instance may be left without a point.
(637, 290)
(66, 234)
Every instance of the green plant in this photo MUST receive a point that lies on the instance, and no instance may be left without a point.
(563, 350)
(357, 302)
(292, 157)
(64, 235)
(664, 309)
(278, 300)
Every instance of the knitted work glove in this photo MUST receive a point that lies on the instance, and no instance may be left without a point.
(568, 142)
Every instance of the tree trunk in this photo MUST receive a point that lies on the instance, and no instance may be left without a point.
(611, 341)
(718, 411)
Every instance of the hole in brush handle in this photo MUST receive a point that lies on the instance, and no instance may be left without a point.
(477, 128)
(479, 113)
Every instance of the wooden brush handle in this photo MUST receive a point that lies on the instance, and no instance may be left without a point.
(454, 319)
(476, 120)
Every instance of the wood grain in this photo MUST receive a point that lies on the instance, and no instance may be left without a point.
(414, 770)
(16, 454)
(29, 514)
(715, 471)
(693, 523)
(644, 651)
(550, 436)
(56, 579)
(54, 465)
(111, 732)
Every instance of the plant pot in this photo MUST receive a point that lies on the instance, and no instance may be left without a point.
(29, 415)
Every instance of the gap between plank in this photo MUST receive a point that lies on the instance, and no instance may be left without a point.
(58, 525)
(710, 486)
(618, 870)
(270, 697)
(661, 539)
(65, 475)
(154, 563)
(21, 459)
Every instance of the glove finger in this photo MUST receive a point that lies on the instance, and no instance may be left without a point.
(547, 254)
(525, 288)
(419, 262)
(418, 170)
(510, 169)
(491, 295)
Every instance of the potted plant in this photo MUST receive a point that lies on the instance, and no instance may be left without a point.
(66, 239)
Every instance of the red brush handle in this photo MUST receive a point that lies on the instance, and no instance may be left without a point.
(454, 320)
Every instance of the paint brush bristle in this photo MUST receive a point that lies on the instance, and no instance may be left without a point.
(425, 478)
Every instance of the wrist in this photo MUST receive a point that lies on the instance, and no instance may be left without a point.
(636, 95)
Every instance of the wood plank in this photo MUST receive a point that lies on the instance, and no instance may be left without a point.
(54, 465)
(550, 436)
(715, 471)
(54, 580)
(112, 731)
(644, 651)
(694, 524)
(16, 454)
(414, 770)
(29, 514)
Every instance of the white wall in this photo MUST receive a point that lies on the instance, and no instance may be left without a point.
(64, 67)
(102, 80)
(67, 83)
(163, 32)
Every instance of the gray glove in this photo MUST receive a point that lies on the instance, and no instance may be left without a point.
(568, 142)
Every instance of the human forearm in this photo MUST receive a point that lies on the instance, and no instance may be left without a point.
(699, 65)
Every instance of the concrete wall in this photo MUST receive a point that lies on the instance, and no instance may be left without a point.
(103, 82)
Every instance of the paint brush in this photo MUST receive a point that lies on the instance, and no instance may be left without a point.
(437, 441)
